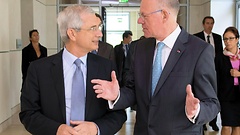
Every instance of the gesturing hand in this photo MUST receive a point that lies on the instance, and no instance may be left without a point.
(106, 89)
(191, 102)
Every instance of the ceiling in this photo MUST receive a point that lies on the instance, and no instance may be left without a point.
(113, 2)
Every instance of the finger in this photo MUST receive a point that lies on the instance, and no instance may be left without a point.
(76, 122)
(97, 81)
(113, 76)
(189, 90)
(98, 91)
(97, 87)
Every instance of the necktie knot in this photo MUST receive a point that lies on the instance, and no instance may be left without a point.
(94, 51)
(78, 62)
(160, 46)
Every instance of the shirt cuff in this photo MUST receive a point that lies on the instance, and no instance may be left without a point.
(111, 103)
(193, 119)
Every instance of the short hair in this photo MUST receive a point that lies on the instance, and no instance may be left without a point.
(97, 15)
(70, 17)
(172, 4)
(207, 17)
(126, 33)
(232, 30)
(31, 32)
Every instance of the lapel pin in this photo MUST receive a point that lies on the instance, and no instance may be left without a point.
(178, 51)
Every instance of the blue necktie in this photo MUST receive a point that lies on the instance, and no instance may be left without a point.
(94, 51)
(157, 66)
(78, 94)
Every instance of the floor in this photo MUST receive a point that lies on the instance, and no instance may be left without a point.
(127, 129)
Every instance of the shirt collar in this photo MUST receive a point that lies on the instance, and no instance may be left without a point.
(171, 39)
(205, 34)
(70, 58)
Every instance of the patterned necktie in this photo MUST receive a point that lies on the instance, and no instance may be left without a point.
(208, 39)
(157, 66)
(78, 94)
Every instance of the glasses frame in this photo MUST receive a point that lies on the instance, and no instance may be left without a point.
(93, 28)
(143, 16)
(230, 39)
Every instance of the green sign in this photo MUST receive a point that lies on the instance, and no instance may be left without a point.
(123, 1)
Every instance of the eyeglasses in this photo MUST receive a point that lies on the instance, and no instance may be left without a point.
(230, 39)
(143, 16)
(93, 29)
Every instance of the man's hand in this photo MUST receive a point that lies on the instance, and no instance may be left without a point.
(64, 129)
(85, 128)
(191, 102)
(108, 90)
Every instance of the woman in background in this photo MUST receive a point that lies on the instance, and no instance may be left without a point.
(31, 52)
(227, 67)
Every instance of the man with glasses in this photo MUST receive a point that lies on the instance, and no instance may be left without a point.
(56, 87)
(216, 41)
(179, 65)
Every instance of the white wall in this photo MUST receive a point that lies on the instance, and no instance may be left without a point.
(223, 12)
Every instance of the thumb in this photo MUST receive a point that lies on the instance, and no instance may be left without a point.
(189, 90)
(113, 76)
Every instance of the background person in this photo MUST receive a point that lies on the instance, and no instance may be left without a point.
(227, 67)
(33, 51)
(216, 41)
(104, 49)
(121, 52)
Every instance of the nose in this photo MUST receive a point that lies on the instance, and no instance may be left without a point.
(140, 20)
(99, 33)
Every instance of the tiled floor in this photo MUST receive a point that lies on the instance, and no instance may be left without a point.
(127, 129)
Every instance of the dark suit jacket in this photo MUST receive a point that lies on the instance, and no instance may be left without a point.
(191, 61)
(29, 55)
(106, 50)
(225, 81)
(120, 61)
(217, 41)
(43, 107)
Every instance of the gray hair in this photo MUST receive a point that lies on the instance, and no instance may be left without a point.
(174, 5)
(70, 17)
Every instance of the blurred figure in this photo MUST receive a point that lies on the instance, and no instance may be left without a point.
(228, 79)
(216, 41)
(104, 49)
(57, 96)
(33, 51)
(121, 52)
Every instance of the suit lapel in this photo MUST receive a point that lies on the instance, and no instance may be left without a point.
(57, 74)
(175, 54)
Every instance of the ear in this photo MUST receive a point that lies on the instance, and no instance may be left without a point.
(165, 15)
(72, 34)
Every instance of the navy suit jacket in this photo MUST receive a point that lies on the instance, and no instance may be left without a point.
(191, 61)
(43, 107)
(217, 41)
